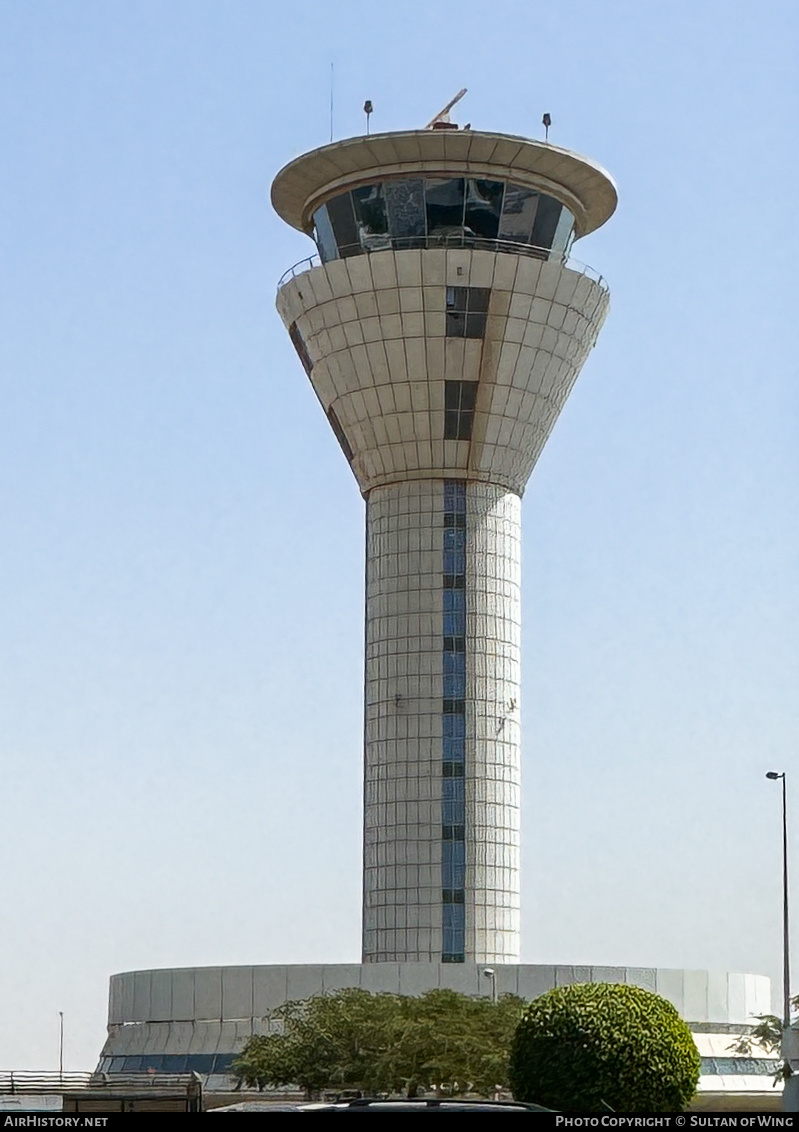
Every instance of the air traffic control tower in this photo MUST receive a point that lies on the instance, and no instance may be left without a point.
(442, 326)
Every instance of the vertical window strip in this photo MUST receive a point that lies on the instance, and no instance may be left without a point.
(453, 765)
(298, 342)
(459, 402)
(467, 310)
(338, 431)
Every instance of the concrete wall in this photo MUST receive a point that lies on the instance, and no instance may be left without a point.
(230, 994)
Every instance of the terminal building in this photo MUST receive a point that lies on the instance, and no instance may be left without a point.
(442, 324)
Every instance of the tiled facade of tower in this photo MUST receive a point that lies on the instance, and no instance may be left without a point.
(442, 331)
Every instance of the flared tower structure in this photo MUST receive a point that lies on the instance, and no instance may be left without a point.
(442, 326)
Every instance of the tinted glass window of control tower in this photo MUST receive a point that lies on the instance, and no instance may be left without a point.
(442, 212)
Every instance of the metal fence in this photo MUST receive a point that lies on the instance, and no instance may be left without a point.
(23, 1081)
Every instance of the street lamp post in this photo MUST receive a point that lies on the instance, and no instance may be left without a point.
(491, 974)
(61, 1044)
(790, 1099)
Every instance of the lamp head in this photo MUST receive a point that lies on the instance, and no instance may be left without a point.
(773, 775)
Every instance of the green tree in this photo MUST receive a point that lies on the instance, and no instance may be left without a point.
(385, 1043)
(268, 1059)
(594, 1046)
(453, 1043)
(329, 1041)
(765, 1037)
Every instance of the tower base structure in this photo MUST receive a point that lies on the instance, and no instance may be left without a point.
(199, 1018)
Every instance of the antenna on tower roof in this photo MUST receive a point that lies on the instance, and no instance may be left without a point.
(441, 120)
(331, 102)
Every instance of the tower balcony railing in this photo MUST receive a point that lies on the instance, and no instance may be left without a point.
(407, 243)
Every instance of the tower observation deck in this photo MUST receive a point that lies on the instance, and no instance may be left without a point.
(442, 326)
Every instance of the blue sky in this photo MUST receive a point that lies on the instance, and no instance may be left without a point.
(182, 545)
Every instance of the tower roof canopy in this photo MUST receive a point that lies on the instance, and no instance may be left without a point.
(308, 181)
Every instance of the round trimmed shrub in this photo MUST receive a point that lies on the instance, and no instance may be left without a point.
(594, 1046)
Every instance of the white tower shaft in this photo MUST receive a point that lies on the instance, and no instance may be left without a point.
(441, 801)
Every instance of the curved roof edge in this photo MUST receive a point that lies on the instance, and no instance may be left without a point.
(308, 181)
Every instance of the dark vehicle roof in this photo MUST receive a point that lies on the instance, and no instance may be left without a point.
(423, 1104)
